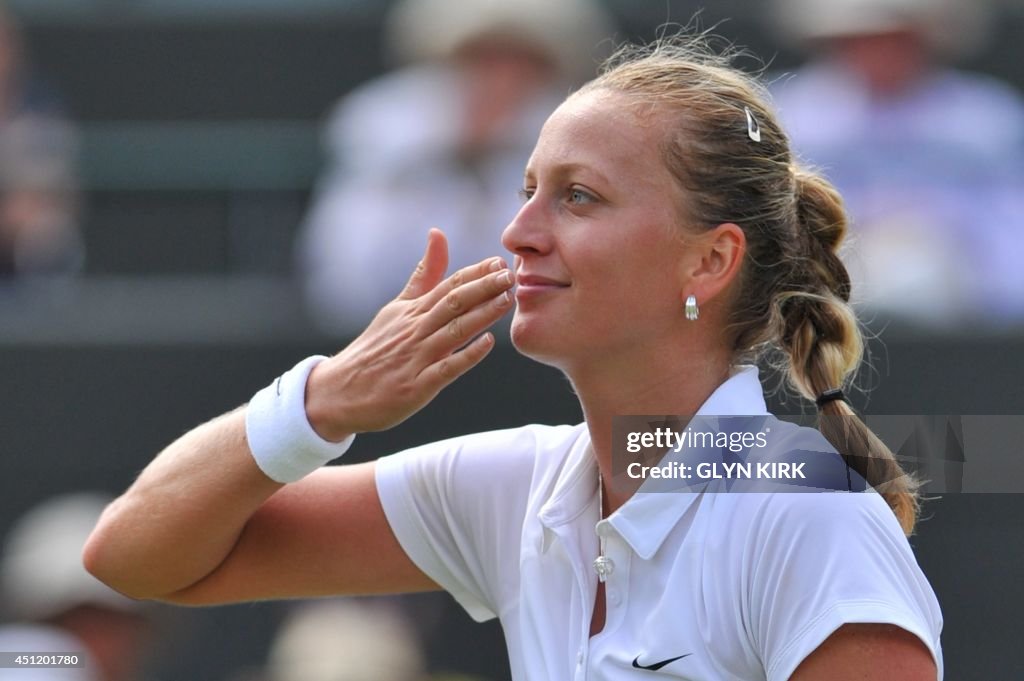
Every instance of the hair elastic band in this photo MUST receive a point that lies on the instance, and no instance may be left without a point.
(830, 396)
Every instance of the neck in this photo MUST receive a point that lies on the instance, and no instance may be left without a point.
(634, 387)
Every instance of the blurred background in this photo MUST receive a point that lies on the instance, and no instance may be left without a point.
(193, 195)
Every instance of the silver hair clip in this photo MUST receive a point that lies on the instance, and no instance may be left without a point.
(753, 129)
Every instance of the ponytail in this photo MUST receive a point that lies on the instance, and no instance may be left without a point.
(822, 340)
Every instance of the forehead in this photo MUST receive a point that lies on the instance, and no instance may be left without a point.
(601, 130)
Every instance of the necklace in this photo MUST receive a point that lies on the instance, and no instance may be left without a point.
(603, 565)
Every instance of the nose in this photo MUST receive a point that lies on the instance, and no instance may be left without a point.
(529, 232)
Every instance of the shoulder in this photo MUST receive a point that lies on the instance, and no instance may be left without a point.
(504, 459)
(807, 516)
(787, 457)
(513, 445)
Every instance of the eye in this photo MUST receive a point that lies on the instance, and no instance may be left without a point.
(579, 197)
(525, 194)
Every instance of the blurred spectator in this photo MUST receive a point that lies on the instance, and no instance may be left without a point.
(349, 639)
(346, 640)
(442, 142)
(59, 607)
(38, 184)
(929, 159)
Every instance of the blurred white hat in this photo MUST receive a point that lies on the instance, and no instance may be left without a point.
(569, 32)
(346, 640)
(41, 571)
(949, 26)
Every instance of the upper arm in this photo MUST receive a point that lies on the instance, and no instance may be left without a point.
(326, 534)
(868, 652)
(457, 507)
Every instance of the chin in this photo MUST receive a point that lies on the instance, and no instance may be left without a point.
(532, 340)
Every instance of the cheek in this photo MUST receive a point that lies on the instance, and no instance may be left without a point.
(646, 280)
(648, 255)
(646, 295)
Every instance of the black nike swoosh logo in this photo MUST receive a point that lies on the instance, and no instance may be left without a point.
(657, 665)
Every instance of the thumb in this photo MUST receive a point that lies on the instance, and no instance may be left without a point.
(431, 269)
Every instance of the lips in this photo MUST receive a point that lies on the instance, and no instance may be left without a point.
(530, 286)
(533, 280)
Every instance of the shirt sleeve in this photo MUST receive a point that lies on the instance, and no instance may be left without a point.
(457, 507)
(827, 559)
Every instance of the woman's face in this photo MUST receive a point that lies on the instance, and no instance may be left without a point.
(598, 242)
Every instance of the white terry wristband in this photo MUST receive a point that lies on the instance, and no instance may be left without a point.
(282, 441)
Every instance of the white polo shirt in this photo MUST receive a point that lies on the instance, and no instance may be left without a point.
(705, 587)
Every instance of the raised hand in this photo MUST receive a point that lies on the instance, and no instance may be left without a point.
(431, 334)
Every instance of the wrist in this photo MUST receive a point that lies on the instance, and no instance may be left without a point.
(282, 440)
(319, 412)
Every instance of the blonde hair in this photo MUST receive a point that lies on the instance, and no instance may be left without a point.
(794, 291)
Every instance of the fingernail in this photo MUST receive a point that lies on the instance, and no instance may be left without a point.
(496, 264)
(505, 299)
(505, 278)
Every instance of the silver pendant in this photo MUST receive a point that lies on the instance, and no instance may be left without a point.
(603, 566)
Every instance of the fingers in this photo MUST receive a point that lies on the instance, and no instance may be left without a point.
(466, 311)
(422, 341)
(462, 328)
(462, 277)
(430, 270)
(461, 314)
(441, 373)
(453, 312)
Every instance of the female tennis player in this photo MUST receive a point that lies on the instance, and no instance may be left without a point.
(667, 237)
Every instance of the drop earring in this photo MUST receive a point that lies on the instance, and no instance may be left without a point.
(691, 310)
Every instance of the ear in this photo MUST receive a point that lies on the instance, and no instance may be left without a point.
(714, 262)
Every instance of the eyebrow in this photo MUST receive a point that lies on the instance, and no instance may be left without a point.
(563, 169)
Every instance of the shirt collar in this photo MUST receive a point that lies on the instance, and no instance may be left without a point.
(646, 519)
(575, 486)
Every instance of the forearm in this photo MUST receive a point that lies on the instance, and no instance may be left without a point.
(183, 515)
